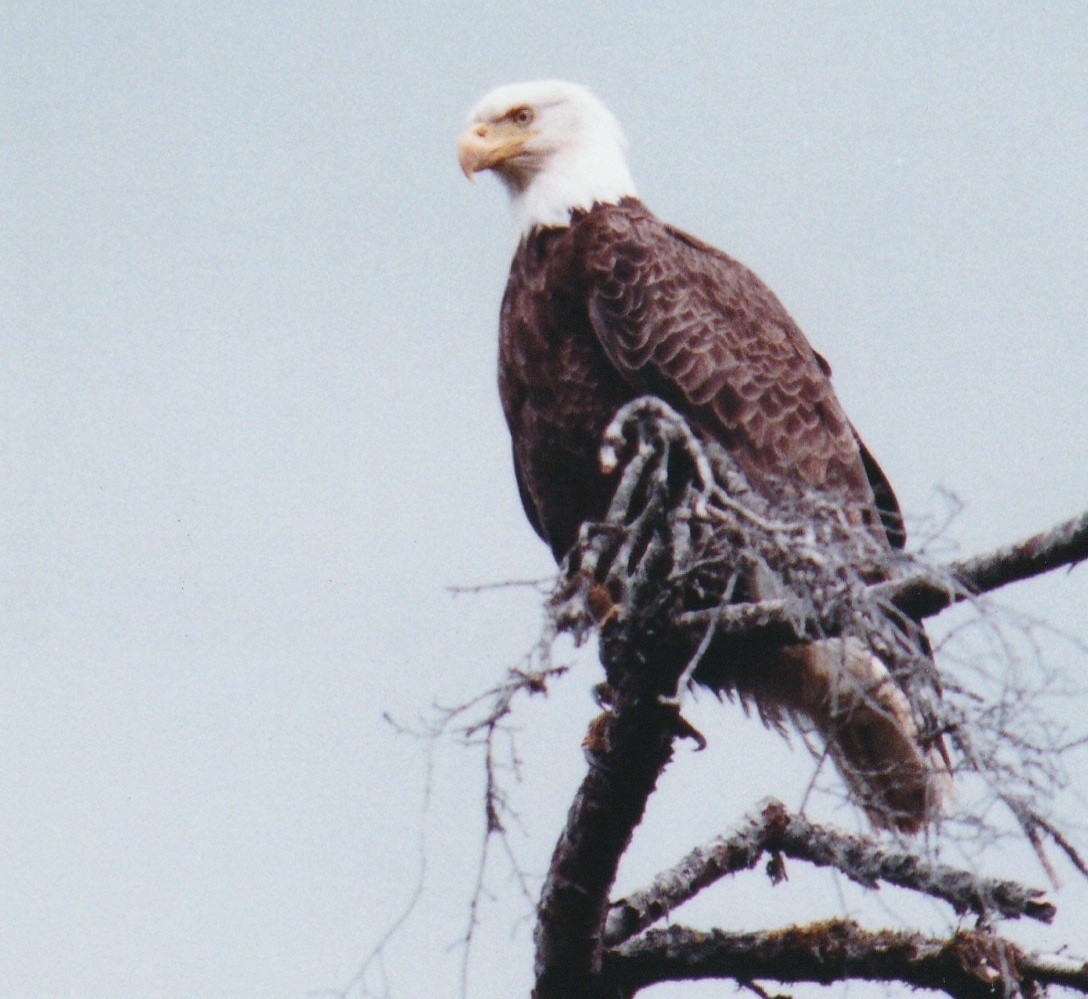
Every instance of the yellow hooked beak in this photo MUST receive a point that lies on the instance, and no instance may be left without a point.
(484, 146)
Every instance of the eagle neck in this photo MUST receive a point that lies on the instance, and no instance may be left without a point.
(568, 184)
(538, 241)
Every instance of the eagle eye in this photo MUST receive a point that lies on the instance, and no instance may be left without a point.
(521, 116)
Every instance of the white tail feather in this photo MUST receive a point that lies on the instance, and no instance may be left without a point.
(865, 719)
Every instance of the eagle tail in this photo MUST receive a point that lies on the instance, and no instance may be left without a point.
(864, 718)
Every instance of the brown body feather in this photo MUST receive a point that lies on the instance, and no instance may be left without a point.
(618, 305)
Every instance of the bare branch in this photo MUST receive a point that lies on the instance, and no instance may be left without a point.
(482, 722)
(971, 964)
(920, 593)
(1035, 825)
(541, 585)
(1066, 544)
(627, 750)
(773, 829)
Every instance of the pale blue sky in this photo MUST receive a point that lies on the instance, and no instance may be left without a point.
(251, 433)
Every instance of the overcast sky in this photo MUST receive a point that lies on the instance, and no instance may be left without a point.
(248, 313)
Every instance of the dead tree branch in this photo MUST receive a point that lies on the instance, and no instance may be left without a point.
(970, 964)
(922, 592)
(631, 743)
(629, 749)
(920, 597)
(775, 830)
(694, 576)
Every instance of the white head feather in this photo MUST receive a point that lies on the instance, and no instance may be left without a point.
(574, 158)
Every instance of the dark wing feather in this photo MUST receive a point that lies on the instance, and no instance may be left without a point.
(887, 505)
(528, 502)
(684, 321)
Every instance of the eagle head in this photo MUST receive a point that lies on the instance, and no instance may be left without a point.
(554, 146)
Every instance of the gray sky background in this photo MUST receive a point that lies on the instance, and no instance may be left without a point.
(250, 434)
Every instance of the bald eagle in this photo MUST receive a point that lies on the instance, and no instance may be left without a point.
(606, 303)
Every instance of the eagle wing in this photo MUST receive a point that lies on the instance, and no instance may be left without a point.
(684, 321)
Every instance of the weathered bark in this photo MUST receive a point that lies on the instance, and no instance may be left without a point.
(630, 744)
(1066, 544)
(774, 830)
(967, 965)
(627, 749)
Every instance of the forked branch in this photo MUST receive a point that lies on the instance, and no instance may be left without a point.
(774, 830)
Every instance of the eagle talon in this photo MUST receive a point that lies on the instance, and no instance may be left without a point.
(604, 694)
(684, 728)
